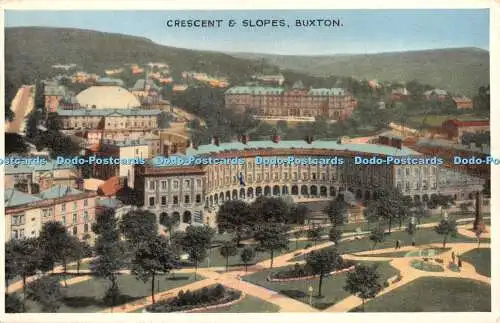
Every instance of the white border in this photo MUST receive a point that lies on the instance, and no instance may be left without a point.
(279, 4)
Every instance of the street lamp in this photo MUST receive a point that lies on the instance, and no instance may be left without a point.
(310, 290)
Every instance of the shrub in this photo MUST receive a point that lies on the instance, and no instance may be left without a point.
(386, 284)
(112, 296)
(307, 246)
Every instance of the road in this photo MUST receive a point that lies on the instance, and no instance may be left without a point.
(22, 105)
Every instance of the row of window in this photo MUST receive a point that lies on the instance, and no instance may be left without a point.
(416, 186)
(175, 184)
(74, 204)
(76, 218)
(19, 234)
(416, 171)
(175, 200)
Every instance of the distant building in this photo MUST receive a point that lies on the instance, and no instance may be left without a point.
(110, 81)
(113, 71)
(462, 103)
(435, 94)
(114, 204)
(25, 214)
(147, 91)
(335, 103)
(53, 94)
(277, 79)
(179, 88)
(399, 94)
(455, 129)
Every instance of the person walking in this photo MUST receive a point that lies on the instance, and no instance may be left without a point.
(453, 256)
(397, 244)
(459, 262)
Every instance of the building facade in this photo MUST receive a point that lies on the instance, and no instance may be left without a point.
(195, 192)
(335, 103)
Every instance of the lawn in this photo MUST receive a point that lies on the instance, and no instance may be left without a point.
(480, 258)
(86, 296)
(431, 294)
(401, 254)
(249, 304)
(422, 237)
(332, 285)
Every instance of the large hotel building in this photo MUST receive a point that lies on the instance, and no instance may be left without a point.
(334, 103)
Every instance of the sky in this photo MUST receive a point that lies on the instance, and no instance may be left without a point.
(362, 31)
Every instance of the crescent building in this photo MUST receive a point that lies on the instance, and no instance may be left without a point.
(194, 192)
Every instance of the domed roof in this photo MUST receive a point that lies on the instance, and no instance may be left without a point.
(107, 97)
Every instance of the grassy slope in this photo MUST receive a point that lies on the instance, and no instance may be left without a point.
(458, 69)
(429, 294)
(480, 259)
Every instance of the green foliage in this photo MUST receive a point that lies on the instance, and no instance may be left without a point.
(298, 213)
(138, 226)
(337, 210)
(363, 282)
(323, 262)
(112, 296)
(272, 237)
(13, 304)
(377, 235)
(55, 243)
(47, 292)
(247, 255)
(170, 222)
(314, 234)
(15, 144)
(334, 235)
(228, 249)
(270, 210)
(154, 257)
(195, 242)
(446, 228)
(234, 217)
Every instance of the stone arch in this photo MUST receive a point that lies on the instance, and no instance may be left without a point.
(295, 190)
(425, 198)
(242, 193)
(228, 195)
(323, 191)
(258, 191)
(221, 197)
(314, 190)
(359, 194)
(235, 194)
(284, 190)
(333, 191)
(186, 217)
(304, 190)
(250, 192)
(367, 195)
(267, 191)
(416, 198)
(176, 215)
(216, 199)
(276, 190)
(163, 217)
(211, 200)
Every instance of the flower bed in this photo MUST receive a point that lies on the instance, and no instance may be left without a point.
(426, 266)
(301, 273)
(199, 300)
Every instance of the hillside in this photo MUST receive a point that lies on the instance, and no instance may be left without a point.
(31, 51)
(461, 70)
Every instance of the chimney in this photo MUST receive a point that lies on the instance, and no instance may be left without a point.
(245, 139)
(396, 143)
(30, 181)
(276, 139)
(215, 140)
(309, 139)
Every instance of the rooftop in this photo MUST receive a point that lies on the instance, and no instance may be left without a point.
(26, 169)
(110, 203)
(14, 197)
(108, 112)
(58, 191)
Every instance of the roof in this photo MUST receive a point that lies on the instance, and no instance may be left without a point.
(107, 112)
(111, 203)
(53, 89)
(92, 184)
(109, 81)
(255, 90)
(14, 197)
(302, 144)
(468, 123)
(107, 97)
(436, 91)
(140, 85)
(25, 169)
(327, 92)
(461, 99)
(58, 191)
(112, 186)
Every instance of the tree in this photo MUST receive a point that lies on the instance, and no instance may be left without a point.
(479, 230)
(247, 255)
(79, 251)
(10, 264)
(297, 234)
(14, 143)
(386, 206)
(170, 222)
(154, 257)
(314, 234)
(446, 228)
(363, 282)
(228, 249)
(56, 245)
(272, 237)
(377, 235)
(47, 292)
(411, 229)
(110, 253)
(322, 263)
(234, 217)
(337, 210)
(299, 213)
(26, 257)
(270, 210)
(196, 241)
(138, 226)
(464, 207)
(334, 235)
(13, 304)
